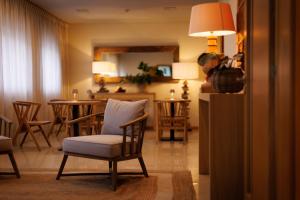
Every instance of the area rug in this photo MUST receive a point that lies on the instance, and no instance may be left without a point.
(45, 187)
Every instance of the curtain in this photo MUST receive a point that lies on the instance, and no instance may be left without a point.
(33, 56)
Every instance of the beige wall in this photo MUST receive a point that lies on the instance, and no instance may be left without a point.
(83, 37)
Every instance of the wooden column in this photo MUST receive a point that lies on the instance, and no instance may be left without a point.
(221, 144)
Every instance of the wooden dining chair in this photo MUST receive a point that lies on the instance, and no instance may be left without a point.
(6, 144)
(28, 123)
(60, 112)
(92, 124)
(172, 115)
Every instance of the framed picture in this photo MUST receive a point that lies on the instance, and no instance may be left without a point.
(166, 69)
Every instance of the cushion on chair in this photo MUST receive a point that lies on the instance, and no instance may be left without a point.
(118, 113)
(5, 144)
(107, 146)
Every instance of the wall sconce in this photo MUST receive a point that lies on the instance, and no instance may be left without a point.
(211, 20)
(102, 69)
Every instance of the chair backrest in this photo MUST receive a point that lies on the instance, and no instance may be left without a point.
(172, 108)
(5, 126)
(26, 111)
(60, 111)
(100, 107)
(86, 109)
(118, 112)
(172, 113)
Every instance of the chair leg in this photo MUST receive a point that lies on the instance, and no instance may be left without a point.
(24, 138)
(142, 163)
(51, 130)
(185, 137)
(59, 129)
(114, 175)
(33, 138)
(44, 135)
(110, 166)
(62, 166)
(14, 164)
(15, 138)
(68, 131)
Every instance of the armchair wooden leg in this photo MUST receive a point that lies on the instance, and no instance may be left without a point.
(62, 166)
(114, 175)
(141, 160)
(14, 164)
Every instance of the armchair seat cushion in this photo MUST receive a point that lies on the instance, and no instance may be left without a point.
(5, 144)
(107, 146)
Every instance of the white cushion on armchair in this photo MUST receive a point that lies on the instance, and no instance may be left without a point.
(107, 146)
(118, 113)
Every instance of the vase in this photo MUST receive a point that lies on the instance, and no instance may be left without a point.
(228, 80)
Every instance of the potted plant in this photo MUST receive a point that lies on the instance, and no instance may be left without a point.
(144, 77)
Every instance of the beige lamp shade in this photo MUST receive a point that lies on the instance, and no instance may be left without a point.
(185, 71)
(211, 19)
(104, 68)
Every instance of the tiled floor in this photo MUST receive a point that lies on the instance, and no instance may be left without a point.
(159, 157)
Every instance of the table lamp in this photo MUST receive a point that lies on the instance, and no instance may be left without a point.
(103, 69)
(185, 71)
(211, 20)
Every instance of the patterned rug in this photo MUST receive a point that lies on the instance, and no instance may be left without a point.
(37, 186)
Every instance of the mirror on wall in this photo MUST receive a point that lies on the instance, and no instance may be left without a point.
(127, 60)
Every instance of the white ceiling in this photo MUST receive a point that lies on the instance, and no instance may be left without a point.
(88, 11)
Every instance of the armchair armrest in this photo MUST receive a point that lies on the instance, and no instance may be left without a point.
(135, 121)
(84, 118)
(5, 126)
(137, 126)
(5, 119)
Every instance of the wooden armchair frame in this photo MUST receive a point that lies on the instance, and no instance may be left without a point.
(5, 130)
(5, 126)
(27, 117)
(135, 129)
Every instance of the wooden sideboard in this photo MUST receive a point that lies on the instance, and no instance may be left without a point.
(221, 119)
(134, 97)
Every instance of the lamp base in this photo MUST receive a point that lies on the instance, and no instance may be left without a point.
(103, 90)
(185, 88)
(212, 44)
(102, 87)
(185, 96)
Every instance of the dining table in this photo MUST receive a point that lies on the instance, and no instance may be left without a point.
(74, 106)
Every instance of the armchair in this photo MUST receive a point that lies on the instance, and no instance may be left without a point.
(108, 146)
(6, 145)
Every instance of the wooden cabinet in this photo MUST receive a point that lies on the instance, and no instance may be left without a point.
(134, 97)
(221, 119)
